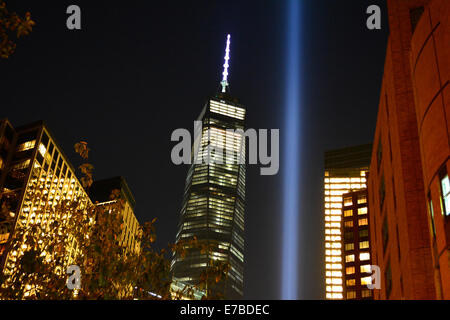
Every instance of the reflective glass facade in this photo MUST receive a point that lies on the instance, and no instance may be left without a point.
(214, 198)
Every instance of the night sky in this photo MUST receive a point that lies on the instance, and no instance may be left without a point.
(140, 69)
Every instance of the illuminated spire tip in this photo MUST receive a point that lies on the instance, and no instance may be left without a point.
(224, 82)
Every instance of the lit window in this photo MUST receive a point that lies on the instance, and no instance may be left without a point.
(351, 294)
(350, 282)
(350, 258)
(364, 256)
(364, 244)
(445, 190)
(348, 224)
(21, 165)
(362, 210)
(348, 213)
(362, 199)
(348, 201)
(349, 246)
(26, 145)
(363, 222)
(42, 149)
(366, 280)
(366, 293)
(350, 270)
(365, 268)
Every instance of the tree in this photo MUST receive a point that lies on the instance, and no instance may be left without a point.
(11, 24)
(87, 235)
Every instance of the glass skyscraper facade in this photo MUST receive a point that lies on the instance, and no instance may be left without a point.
(214, 198)
(345, 171)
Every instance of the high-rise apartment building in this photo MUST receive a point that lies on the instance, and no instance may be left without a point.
(345, 171)
(408, 184)
(101, 192)
(356, 246)
(214, 197)
(35, 177)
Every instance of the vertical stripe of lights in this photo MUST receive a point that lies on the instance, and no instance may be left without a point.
(291, 192)
(226, 65)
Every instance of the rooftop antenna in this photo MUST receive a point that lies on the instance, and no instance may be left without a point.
(224, 81)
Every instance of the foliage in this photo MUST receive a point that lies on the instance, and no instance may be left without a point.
(12, 24)
(89, 235)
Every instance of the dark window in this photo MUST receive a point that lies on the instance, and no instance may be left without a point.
(39, 158)
(348, 236)
(26, 136)
(401, 286)
(50, 149)
(385, 233)
(398, 244)
(9, 133)
(431, 214)
(363, 233)
(388, 280)
(393, 193)
(415, 15)
(382, 191)
(379, 153)
(45, 139)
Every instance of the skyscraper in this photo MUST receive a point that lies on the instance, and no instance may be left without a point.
(100, 193)
(35, 177)
(214, 197)
(345, 171)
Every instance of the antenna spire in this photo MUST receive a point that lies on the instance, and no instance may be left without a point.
(224, 81)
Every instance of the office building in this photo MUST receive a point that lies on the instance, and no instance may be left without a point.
(356, 246)
(35, 177)
(214, 197)
(345, 171)
(101, 192)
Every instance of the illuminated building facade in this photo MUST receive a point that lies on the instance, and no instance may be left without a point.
(356, 246)
(214, 199)
(35, 177)
(345, 171)
(100, 193)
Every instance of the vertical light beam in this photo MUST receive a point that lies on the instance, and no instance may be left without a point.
(291, 192)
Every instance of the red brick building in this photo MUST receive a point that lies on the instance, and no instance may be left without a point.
(430, 71)
(410, 155)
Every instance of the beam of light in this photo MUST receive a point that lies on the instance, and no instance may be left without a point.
(291, 190)
(226, 65)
